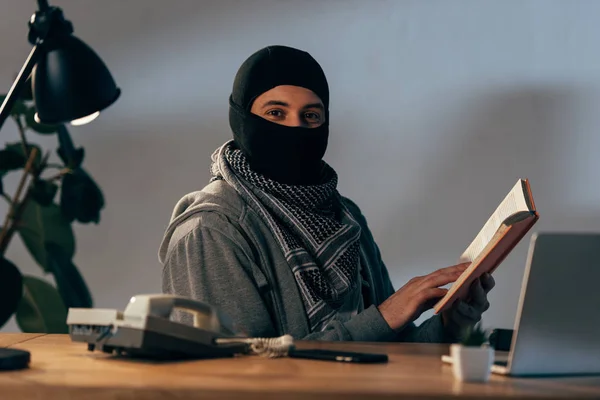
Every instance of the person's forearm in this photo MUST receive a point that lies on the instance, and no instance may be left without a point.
(367, 326)
(431, 330)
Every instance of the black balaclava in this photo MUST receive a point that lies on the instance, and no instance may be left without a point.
(290, 155)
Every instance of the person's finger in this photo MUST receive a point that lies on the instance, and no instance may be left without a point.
(487, 282)
(454, 270)
(428, 304)
(438, 279)
(458, 267)
(430, 294)
(478, 295)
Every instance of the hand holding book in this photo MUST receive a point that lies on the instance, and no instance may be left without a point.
(417, 296)
(464, 314)
(472, 276)
(511, 220)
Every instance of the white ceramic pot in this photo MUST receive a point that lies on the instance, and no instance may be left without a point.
(472, 364)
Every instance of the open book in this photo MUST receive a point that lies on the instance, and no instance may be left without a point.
(513, 218)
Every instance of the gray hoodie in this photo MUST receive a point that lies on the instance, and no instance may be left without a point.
(217, 250)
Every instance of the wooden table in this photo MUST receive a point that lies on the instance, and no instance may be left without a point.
(61, 369)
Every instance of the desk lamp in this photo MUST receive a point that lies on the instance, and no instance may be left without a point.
(70, 83)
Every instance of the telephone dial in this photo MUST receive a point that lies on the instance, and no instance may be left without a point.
(144, 329)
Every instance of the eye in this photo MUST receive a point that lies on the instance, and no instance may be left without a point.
(312, 116)
(275, 113)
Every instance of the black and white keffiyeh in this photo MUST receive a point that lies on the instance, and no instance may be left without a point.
(317, 234)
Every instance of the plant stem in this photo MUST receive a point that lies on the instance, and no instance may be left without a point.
(28, 168)
(22, 135)
(16, 208)
(60, 174)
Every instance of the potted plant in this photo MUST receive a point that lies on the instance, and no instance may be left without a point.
(50, 197)
(472, 358)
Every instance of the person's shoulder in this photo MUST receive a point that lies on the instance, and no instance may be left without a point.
(215, 208)
(223, 195)
(218, 196)
(353, 208)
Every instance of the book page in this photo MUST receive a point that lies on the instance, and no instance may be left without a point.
(513, 203)
(475, 261)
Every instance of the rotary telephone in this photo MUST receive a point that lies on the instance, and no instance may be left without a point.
(144, 329)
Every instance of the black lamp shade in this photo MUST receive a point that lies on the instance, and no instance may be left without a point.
(70, 82)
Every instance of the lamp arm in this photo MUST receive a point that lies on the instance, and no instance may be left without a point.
(17, 87)
(43, 5)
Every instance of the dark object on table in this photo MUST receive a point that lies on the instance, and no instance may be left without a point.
(500, 339)
(12, 359)
(340, 356)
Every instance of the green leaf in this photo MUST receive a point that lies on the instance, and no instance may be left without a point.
(43, 191)
(19, 108)
(39, 128)
(41, 309)
(18, 148)
(13, 157)
(476, 336)
(10, 160)
(80, 198)
(68, 153)
(74, 160)
(11, 289)
(70, 283)
(41, 225)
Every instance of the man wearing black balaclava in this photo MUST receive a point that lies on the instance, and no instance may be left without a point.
(272, 243)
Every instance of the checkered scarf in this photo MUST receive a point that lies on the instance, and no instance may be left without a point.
(317, 234)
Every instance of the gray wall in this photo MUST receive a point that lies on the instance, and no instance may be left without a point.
(437, 108)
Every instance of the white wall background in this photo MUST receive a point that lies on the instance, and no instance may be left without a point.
(437, 107)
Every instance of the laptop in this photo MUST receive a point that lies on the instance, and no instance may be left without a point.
(557, 327)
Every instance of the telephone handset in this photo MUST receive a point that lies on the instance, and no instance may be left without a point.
(145, 329)
(162, 305)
